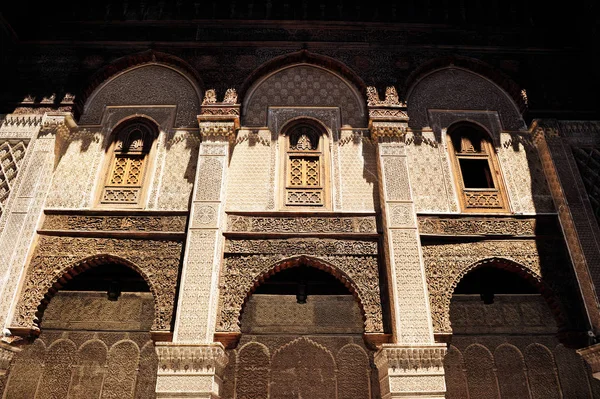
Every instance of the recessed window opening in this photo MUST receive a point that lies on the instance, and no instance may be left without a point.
(476, 173)
(490, 281)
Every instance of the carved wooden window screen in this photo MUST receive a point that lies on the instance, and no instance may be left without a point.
(304, 168)
(125, 178)
(477, 171)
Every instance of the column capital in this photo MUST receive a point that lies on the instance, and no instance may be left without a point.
(410, 371)
(388, 117)
(219, 120)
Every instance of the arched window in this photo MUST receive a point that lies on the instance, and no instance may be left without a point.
(476, 169)
(128, 164)
(305, 171)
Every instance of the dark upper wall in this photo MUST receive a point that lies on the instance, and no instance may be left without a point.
(545, 51)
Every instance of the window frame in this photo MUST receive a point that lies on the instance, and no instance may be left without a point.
(321, 152)
(150, 134)
(467, 195)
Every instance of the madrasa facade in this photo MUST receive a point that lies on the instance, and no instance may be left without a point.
(291, 200)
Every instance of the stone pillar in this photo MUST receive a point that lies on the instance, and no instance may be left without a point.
(574, 213)
(191, 365)
(412, 365)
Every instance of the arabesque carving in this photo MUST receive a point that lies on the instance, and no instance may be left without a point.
(174, 358)
(477, 226)
(447, 264)
(154, 223)
(266, 224)
(241, 274)
(414, 358)
(292, 246)
(57, 257)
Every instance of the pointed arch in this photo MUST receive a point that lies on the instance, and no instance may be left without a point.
(303, 79)
(458, 85)
(304, 260)
(33, 308)
(130, 61)
(173, 83)
(499, 78)
(528, 274)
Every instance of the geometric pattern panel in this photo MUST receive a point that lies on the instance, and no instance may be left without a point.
(11, 157)
(588, 162)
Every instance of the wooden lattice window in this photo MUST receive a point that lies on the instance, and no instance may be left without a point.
(304, 167)
(476, 169)
(128, 165)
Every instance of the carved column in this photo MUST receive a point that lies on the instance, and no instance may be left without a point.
(413, 364)
(575, 223)
(191, 365)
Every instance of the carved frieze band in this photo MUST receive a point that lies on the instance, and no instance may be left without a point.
(477, 226)
(157, 261)
(296, 246)
(241, 274)
(151, 223)
(175, 358)
(265, 224)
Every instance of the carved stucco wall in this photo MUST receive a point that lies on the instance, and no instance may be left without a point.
(79, 158)
(509, 350)
(89, 347)
(458, 89)
(288, 348)
(156, 260)
(353, 262)
(303, 85)
(543, 261)
(431, 178)
(249, 183)
(149, 84)
(523, 174)
(358, 171)
(176, 180)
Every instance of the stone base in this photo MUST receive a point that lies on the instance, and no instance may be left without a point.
(591, 355)
(190, 370)
(411, 371)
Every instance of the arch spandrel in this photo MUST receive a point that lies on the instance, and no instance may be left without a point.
(459, 88)
(45, 278)
(242, 275)
(303, 85)
(443, 278)
(149, 84)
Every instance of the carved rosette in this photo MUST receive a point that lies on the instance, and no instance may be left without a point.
(175, 358)
(57, 259)
(354, 262)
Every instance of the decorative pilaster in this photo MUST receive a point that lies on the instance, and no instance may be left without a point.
(27, 200)
(411, 319)
(190, 370)
(191, 365)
